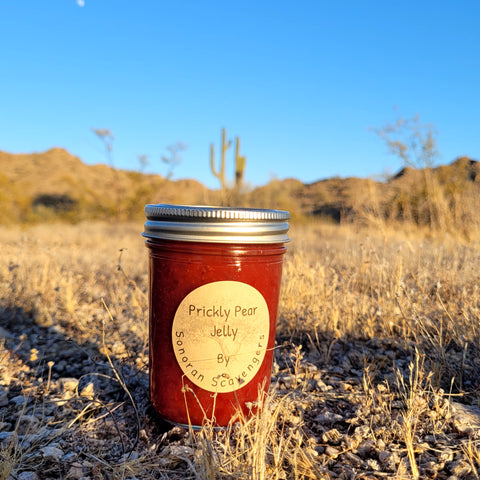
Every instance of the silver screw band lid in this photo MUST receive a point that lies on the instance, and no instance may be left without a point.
(198, 223)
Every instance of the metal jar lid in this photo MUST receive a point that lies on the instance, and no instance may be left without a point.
(196, 223)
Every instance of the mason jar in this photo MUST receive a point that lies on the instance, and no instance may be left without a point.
(215, 277)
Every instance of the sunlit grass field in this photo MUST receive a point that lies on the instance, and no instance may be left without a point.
(377, 370)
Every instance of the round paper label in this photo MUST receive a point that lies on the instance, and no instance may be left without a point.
(220, 335)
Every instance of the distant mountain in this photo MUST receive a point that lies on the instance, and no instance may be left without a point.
(409, 195)
(57, 185)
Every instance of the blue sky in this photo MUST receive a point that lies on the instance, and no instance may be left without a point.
(301, 83)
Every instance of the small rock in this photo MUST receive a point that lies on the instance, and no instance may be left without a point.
(332, 452)
(287, 380)
(362, 431)
(60, 366)
(118, 348)
(88, 391)
(460, 468)
(3, 397)
(131, 456)
(322, 386)
(389, 460)
(384, 456)
(68, 384)
(19, 400)
(328, 417)
(41, 435)
(4, 333)
(27, 424)
(373, 464)
(181, 451)
(366, 447)
(446, 456)
(70, 457)
(173, 454)
(422, 447)
(75, 471)
(332, 436)
(353, 460)
(351, 442)
(431, 468)
(6, 438)
(380, 444)
(52, 454)
(27, 476)
(465, 417)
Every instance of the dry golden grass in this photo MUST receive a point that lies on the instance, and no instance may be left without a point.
(399, 309)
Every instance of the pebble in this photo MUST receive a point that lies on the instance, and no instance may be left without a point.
(27, 424)
(75, 471)
(68, 384)
(19, 400)
(88, 391)
(5, 333)
(6, 438)
(389, 460)
(3, 397)
(460, 468)
(466, 418)
(52, 454)
(332, 452)
(332, 436)
(446, 455)
(373, 464)
(353, 460)
(27, 475)
(328, 417)
(180, 451)
(70, 457)
(384, 456)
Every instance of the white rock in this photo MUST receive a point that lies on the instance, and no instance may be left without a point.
(88, 391)
(68, 384)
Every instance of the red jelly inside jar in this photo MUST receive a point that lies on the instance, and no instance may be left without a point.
(215, 276)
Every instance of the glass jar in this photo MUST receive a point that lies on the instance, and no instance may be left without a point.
(215, 275)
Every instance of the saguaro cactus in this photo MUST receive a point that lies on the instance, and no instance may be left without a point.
(221, 173)
(240, 162)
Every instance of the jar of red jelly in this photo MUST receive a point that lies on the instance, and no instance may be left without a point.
(215, 275)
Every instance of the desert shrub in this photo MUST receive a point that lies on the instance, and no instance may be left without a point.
(58, 202)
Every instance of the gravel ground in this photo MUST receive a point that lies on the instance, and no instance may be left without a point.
(67, 412)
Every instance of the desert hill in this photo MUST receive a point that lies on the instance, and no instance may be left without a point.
(55, 184)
